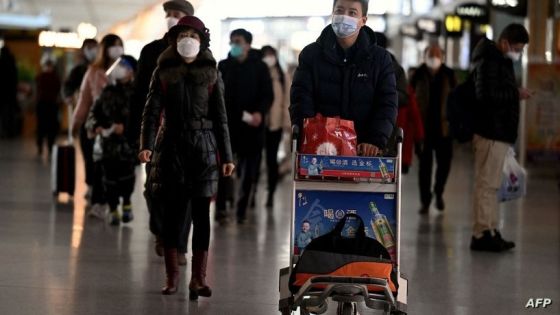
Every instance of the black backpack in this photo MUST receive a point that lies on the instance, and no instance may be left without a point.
(460, 110)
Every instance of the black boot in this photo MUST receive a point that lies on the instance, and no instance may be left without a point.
(171, 271)
(198, 286)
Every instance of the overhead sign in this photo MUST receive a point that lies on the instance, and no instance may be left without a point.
(410, 30)
(429, 26)
(514, 7)
(453, 26)
(474, 12)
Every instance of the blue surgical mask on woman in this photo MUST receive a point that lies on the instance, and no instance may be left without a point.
(236, 50)
(344, 25)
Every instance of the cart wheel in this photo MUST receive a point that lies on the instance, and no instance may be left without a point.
(398, 313)
(346, 308)
(286, 311)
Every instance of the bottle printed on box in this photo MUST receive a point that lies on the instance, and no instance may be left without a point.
(384, 171)
(383, 232)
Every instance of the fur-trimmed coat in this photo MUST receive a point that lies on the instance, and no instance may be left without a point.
(184, 153)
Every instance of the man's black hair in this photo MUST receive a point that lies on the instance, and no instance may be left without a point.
(364, 3)
(89, 41)
(305, 221)
(243, 33)
(515, 34)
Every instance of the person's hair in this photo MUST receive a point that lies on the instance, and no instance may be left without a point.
(305, 221)
(433, 45)
(243, 33)
(89, 41)
(515, 34)
(269, 49)
(103, 61)
(364, 3)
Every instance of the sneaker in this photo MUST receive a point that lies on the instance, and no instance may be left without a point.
(440, 205)
(98, 211)
(507, 245)
(115, 218)
(487, 243)
(127, 214)
(424, 210)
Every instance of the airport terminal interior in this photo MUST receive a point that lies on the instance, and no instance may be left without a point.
(62, 255)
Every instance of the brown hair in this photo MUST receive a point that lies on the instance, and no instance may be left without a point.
(103, 61)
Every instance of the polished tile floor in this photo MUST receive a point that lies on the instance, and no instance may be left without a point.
(54, 260)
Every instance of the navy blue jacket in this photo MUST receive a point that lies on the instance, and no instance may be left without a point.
(363, 89)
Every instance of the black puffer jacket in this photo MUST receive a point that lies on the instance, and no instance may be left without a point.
(113, 107)
(497, 109)
(189, 97)
(362, 90)
(248, 87)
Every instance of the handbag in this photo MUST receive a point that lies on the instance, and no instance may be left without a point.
(514, 179)
(328, 136)
(335, 255)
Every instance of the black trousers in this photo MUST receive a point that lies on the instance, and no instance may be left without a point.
(272, 144)
(443, 149)
(98, 188)
(177, 211)
(156, 219)
(86, 145)
(118, 181)
(247, 169)
(47, 124)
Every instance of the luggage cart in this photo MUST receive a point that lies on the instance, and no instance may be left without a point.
(332, 184)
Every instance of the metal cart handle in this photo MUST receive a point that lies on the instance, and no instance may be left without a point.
(295, 137)
(400, 135)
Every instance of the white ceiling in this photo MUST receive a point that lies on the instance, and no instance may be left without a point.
(67, 14)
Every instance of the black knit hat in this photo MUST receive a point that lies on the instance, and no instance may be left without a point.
(179, 5)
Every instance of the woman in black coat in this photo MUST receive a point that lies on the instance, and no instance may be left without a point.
(185, 136)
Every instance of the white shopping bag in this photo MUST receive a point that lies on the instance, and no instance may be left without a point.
(514, 179)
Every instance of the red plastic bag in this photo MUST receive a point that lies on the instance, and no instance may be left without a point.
(329, 136)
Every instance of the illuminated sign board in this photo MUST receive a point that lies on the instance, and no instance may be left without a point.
(429, 26)
(473, 11)
(514, 7)
(410, 30)
(453, 26)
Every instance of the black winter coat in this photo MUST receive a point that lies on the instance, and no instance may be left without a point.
(147, 63)
(362, 90)
(248, 87)
(74, 80)
(497, 94)
(113, 107)
(189, 98)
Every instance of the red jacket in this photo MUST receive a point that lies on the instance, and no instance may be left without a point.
(410, 121)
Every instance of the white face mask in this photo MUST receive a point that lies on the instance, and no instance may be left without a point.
(120, 72)
(433, 63)
(514, 56)
(270, 61)
(115, 52)
(171, 21)
(188, 47)
(90, 53)
(344, 25)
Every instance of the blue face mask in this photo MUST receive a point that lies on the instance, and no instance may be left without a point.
(236, 50)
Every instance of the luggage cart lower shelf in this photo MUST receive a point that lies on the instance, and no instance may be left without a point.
(346, 291)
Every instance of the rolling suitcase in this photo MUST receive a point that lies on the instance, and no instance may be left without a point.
(63, 167)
